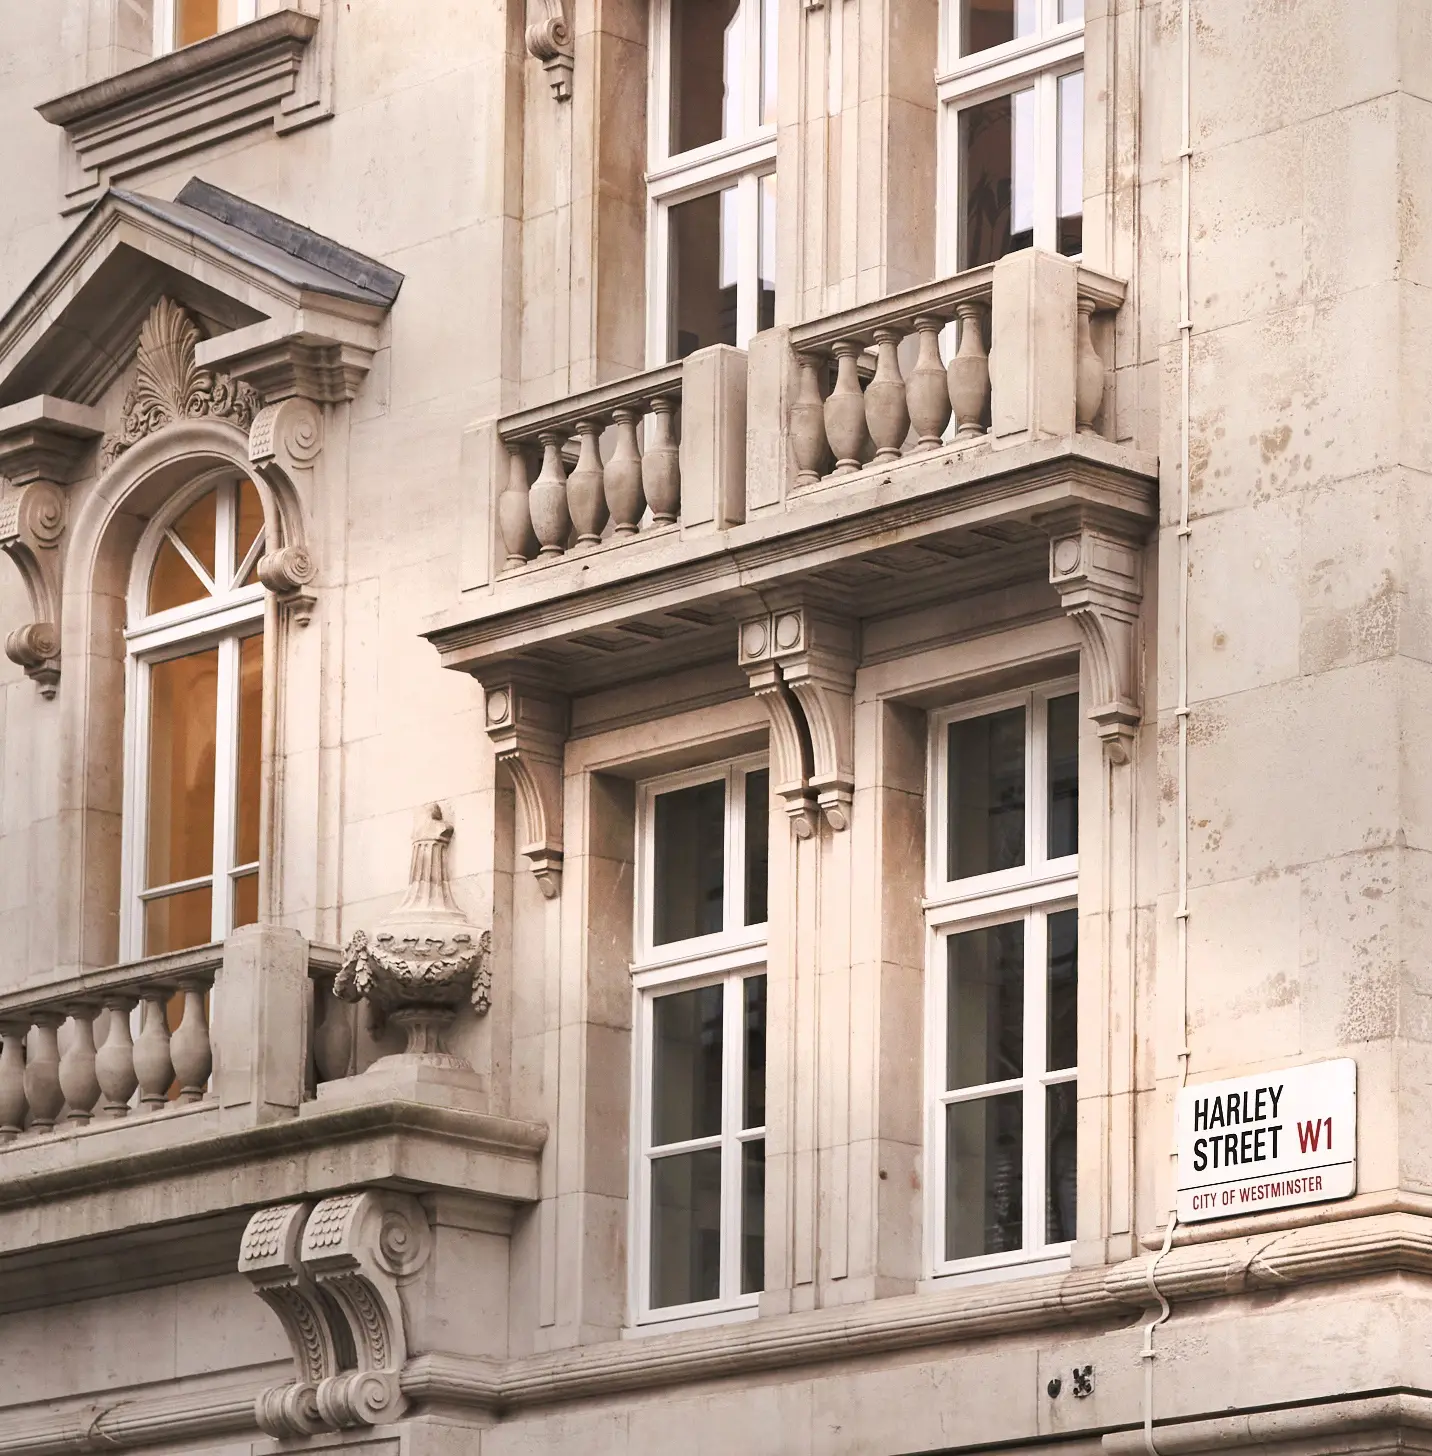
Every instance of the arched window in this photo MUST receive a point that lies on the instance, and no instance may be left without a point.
(194, 684)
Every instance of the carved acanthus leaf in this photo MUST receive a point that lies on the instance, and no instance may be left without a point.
(169, 385)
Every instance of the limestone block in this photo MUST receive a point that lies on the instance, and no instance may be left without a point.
(770, 388)
(713, 438)
(1033, 342)
(259, 1023)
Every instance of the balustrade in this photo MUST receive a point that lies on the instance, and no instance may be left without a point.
(628, 488)
(854, 404)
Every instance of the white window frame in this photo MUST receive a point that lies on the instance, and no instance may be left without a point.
(1036, 61)
(740, 161)
(1029, 893)
(166, 14)
(223, 620)
(727, 957)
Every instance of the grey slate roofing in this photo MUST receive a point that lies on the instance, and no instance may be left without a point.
(300, 257)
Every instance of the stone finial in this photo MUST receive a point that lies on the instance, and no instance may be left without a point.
(425, 959)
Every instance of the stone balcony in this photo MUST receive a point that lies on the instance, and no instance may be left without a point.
(147, 1108)
(856, 461)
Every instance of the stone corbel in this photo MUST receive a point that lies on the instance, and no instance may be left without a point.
(1099, 578)
(287, 437)
(42, 441)
(321, 358)
(333, 1275)
(801, 665)
(549, 39)
(528, 729)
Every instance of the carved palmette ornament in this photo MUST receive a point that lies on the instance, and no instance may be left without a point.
(169, 385)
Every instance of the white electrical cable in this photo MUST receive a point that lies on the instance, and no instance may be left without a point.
(1185, 329)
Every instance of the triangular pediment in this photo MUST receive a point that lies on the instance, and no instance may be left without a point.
(231, 264)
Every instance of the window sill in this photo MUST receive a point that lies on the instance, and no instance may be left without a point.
(1008, 1267)
(656, 1325)
(275, 71)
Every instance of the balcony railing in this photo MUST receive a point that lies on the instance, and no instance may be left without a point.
(136, 1039)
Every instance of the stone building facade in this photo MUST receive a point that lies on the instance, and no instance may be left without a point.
(669, 665)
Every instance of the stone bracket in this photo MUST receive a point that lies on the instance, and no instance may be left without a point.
(320, 357)
(801, 664)
(332, 1274)
(286, 438)
(549, 39)
(1099, 578)
(528, 729)
(42, 441)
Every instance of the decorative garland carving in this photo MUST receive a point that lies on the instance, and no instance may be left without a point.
(549, 39)
(169, 385)
(332, 1276)
(425, 959)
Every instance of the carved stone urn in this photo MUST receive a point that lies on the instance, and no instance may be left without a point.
(425, 959)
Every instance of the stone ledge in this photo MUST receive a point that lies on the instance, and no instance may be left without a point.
(255, 75)
(171, 1167)
(967, 514)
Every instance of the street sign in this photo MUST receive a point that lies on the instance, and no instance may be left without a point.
(1253, 1144)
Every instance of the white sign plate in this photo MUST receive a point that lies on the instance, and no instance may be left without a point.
(1252, 1144)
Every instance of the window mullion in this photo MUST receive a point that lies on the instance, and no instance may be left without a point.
(1046, 114)
(748, 256)
(731, 1063)
(225, 782)
(1035, 1055)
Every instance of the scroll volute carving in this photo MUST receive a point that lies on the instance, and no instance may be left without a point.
(528, 728)
(42, 442)
(1099, 577)
(549, 39)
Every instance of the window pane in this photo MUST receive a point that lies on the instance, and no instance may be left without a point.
(686, 1228)
(197, 529)
(986, 23)
(984, 1170)
(985, 1010)
(1063, 991)
(246, 808)
(246, 900)
(173, 582)
(986, 808)
(686, 1065)
(997, 151)
(1060, 1162)
(766, 296)
(177, 922)
(689, 884)
(249, 528)
(753, 1102)
(1071, 164)
(1063, 724)
(702, 264)
(770, 9)
(183, 703)
(705, 98)
(753, 1216)
(195, 20)
(1071, 10)
(758, 852)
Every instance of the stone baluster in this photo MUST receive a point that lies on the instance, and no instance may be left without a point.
(808, 422)
(189, 1046)
(514, 511)
(332, 1034)
(1089, 378)
(845, 409)
(661, 464)
(77, 1072)
(626, 500)
(551, 521)
(13, 1105)
(586, 492)
(153, 1064)
(927, 389)
(887, 414)
(114, 1061)
(42, 1071)
(969, 374)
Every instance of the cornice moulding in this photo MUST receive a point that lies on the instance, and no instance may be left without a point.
(254, 75)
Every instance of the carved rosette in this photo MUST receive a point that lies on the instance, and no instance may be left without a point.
(425, 959)
(169, 385)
